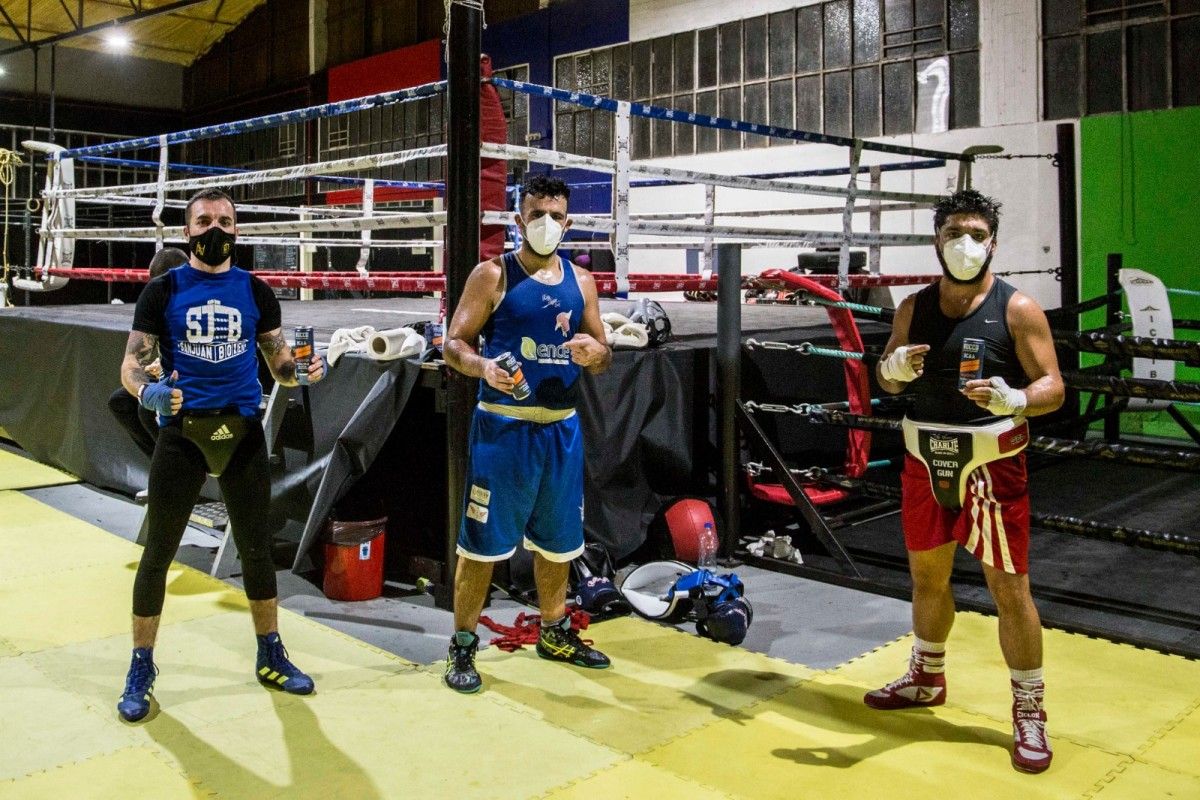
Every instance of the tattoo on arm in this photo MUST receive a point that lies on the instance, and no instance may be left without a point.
(143, 347)
(279, 356)
(272, 344)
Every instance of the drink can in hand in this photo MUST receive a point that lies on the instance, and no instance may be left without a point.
(509, 363)
(970, 366)
(302, 351)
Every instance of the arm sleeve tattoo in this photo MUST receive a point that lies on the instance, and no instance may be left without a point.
(273, 345)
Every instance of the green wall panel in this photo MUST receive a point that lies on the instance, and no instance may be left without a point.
(1140, 196)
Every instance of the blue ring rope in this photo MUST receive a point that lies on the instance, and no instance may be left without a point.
(706, 121)
(267, 121)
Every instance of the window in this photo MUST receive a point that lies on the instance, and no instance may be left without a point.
(1101, 56)
(338, 129)
(516, 111)
(607, 72)
(287, 141)
(847, 67)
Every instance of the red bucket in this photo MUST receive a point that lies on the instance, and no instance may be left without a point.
(354, 560)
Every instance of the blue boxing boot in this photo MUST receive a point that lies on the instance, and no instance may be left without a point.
(139, 685)
(275, 670)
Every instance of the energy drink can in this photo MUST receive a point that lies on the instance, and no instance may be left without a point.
(512, 366)
(970, 366)
(302, 351)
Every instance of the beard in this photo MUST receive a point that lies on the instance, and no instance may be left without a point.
(983, 271)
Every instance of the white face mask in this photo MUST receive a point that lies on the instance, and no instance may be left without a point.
(543, 235)
(965, 257)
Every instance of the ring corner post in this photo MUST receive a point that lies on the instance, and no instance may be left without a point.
(729, 380)
(464, 46)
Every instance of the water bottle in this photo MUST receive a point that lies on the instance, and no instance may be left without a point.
(708, 548)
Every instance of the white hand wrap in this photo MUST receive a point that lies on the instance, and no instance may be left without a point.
(1006, 401)
(897, 367)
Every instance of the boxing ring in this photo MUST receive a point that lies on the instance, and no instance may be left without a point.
(346, 441)
(765, 405)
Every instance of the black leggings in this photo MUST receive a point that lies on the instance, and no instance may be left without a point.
(177, 473)
(140, 422)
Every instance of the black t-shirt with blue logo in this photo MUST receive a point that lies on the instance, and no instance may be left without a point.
(207, 326)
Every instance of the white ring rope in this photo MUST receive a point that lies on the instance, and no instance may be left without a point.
(262, 176)
(291, 211)
(346, 225)
(556, 158)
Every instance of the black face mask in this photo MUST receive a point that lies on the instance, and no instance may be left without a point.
(213, 247)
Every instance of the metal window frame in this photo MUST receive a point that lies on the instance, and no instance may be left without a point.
(1168, 18)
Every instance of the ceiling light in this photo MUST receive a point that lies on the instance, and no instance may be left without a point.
(117, 40)
(3, 71)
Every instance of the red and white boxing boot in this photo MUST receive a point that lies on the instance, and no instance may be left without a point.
(923, 685)
(1031, 746)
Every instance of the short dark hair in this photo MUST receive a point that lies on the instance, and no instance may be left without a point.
(206, 194)
(543, 185)
(968, 201)
(165, 259)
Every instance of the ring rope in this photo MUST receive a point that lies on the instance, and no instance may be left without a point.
(1139, 455)
(706, 121)
(810, 349)
(294, 172)
(557, 158)
(10, 161)
(1135, 346)
(1178, 543)
(1133, 387)
(200, 169)
(268, 121)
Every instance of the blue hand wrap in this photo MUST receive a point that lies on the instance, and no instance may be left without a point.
(157, 397)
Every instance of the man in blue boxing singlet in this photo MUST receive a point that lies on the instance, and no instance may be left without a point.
(525, 481)
(205, 319)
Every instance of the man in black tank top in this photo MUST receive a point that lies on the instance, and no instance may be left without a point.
(1020, 378)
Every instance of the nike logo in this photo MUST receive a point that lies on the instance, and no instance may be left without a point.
(991, 321)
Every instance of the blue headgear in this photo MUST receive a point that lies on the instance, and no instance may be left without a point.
(671, 590)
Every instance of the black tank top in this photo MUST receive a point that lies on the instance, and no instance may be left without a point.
(937, 396)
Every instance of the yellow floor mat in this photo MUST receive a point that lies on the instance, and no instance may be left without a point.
(19, 472)
(60, 608)
(45, 540)
(676, 715)
(821, 737)
(1097, 692)
(1143, 782)
(108, 776)
(662, 682)
(1178, 747)
(636, 780)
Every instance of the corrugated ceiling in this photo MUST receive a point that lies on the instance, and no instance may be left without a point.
(179, 36)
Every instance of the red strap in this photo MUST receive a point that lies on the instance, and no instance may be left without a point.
(527, 627)
(858, 387)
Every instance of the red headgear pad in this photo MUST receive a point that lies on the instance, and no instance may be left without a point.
(685, 522)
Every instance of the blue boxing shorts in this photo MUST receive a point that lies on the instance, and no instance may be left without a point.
(524, 484)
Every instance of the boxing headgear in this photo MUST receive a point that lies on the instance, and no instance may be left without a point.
(670, 590)
(726, 621)
(650, 590)
(651, 314)
(595, 593)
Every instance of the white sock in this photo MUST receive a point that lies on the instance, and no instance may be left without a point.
(930, 656)
(1028, 679)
